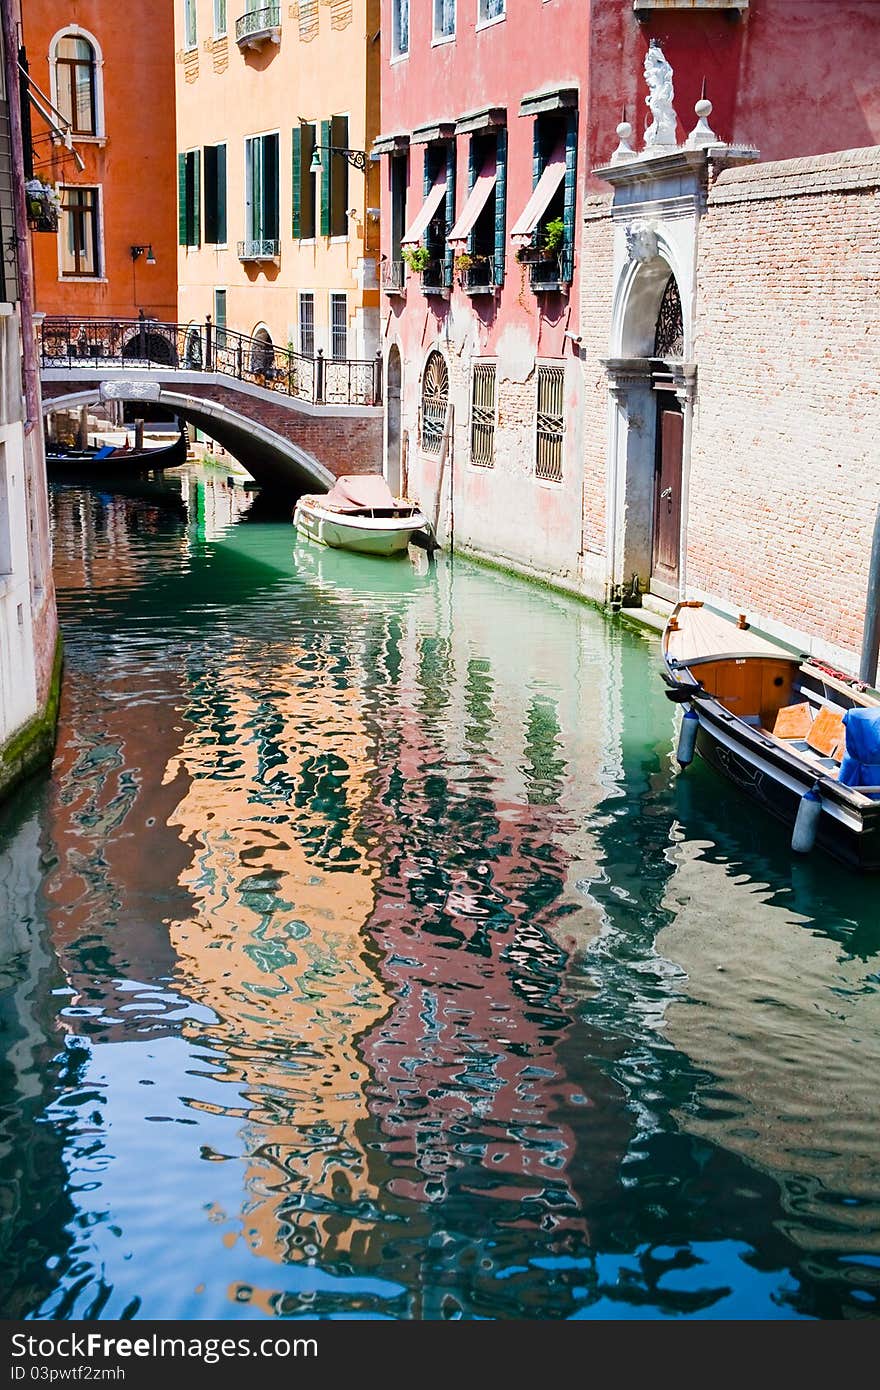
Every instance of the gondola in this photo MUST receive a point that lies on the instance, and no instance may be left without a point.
(109, 458)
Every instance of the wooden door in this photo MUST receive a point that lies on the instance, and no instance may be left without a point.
(667, 491)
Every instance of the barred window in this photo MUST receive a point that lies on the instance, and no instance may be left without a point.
(338, 326)
(307, 323)
(483, 415)
(435, 399)
(549, 424)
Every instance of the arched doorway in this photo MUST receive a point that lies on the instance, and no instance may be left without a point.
(262, 354)
(668, 441)
(394, 383)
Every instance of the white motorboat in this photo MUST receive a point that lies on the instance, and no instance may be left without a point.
(360, 513)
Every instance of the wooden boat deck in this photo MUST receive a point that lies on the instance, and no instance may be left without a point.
(707, 636)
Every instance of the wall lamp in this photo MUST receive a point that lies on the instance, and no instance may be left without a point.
(137, 251)
(356, 158)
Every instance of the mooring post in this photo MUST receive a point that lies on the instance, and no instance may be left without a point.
(871, 630)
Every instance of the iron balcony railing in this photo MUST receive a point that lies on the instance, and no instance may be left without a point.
(258, 25)
(479, 276)
(259, 250)
(553, 274)
(393, 276)
(437, 276)
(131, 344)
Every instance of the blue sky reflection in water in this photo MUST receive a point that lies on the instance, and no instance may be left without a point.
(366, 957)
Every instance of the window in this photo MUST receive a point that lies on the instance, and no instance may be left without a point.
(478, 235)
(338, 176)
(220, 318)
(435, 400)
(339, 326)
(75, 84)
(79, 231)
(189, 198)
(549, 216)
(483, 415)
(305, 201)
(399, 28)
(219, 18)
(215, 194)
(307, 323)
(444, 19)
(261, 188)
(549, 424)
(490, 9)
(190, 32)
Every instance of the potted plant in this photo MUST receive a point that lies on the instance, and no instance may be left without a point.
(529, 252)
(43, 206)
(464, 261)
(554, 236)
(418, 258)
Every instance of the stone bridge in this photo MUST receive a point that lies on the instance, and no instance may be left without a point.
(294, 422)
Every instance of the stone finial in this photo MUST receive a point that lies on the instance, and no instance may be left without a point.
(660, 133)
(702, 133)
(624, 135)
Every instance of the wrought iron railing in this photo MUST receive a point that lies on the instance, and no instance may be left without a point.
(437, 276)
(393, 276)
(257, 24)
(479, 276)
(130, 344)
(259, 250)
(554, 273)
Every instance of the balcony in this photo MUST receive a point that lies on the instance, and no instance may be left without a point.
(437, 277)
(479, 276)
(553, 273)
(393, 274)
(259, 250)
(258, 27)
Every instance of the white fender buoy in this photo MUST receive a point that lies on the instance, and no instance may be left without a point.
(687, 737)
(806, 825)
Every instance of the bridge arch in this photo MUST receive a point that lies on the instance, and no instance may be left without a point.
(271, 458)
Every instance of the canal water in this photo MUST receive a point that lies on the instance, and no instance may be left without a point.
(364, 955)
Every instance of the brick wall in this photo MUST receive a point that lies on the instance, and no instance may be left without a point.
(785, 466)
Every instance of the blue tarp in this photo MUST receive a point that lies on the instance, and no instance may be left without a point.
(861, 761)
(103, 452)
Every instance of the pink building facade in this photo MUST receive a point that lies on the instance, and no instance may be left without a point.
(496, 327)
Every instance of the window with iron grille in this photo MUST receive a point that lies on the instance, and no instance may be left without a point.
(307, 323)
(549, 424)
(483, 415)
(435, 400)
(339, 326)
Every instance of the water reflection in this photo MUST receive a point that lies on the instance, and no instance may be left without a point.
(368, 954)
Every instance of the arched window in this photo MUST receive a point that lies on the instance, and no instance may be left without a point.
(262, 353)
(75, 83)
(669, 330)
(435, 399)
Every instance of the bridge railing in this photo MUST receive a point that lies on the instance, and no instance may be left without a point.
(142, 343)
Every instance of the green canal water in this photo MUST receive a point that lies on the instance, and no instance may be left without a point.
(364, 955)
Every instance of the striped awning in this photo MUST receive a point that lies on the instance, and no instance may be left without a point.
(417, 228)
(551, 178)
(476, 201)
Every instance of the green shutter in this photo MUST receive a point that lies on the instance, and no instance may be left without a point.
(221, 195)
(182, 218)
(296, 186)
(472, 178)
(449, 209)
(326, 156)
(196, 224)
(570, 177)
(500, 205)
(537, 156)
(271, 208)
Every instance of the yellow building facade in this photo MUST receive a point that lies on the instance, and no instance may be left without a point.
(278, 232)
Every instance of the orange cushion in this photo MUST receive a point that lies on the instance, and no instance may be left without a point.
(827, 734)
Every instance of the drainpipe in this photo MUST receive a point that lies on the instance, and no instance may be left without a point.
(19, 216)
(871, 630)
(685, 394)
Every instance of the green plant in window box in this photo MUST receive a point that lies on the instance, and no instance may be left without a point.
(418, 258)
(554, 235)
(43, 206)
(464, 261)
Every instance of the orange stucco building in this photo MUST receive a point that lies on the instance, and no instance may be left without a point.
(103, 75)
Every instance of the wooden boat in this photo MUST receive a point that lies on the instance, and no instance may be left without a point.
(800, 737)
(108, 457)
(360, 513)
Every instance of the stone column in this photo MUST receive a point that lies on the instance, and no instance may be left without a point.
(630, 483)
(684, 380)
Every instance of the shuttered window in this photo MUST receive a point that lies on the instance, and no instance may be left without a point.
(189, 198)
(261, 187)
(483, 415)
(549, 423)
(325, 178)
(338, 177)
(215, 194)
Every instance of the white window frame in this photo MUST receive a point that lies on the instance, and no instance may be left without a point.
(76, 31)
(100, 278)
(437, 37)
(332, 295)
(299, 300)
(218, 32)
(487, 22)
(191, 7)
(259, 135)
(397, 53)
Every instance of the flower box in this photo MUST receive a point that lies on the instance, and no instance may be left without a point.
(43, 206)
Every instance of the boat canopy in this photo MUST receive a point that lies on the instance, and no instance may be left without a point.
(366, 492)
(861, 761)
